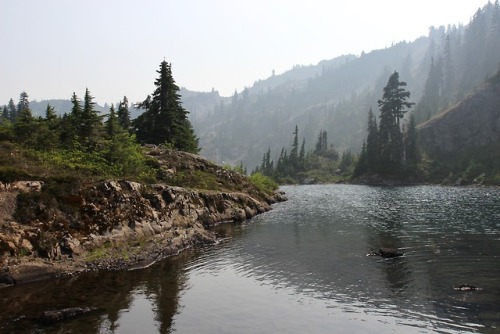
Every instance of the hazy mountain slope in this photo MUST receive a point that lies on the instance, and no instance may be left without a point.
(440, 70)
(335, 98)
(474, 122)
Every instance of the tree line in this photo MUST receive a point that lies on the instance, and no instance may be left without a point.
(390, 149)
(112, 138)
(297, 164)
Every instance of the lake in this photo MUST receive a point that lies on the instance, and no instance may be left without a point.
(302, 268)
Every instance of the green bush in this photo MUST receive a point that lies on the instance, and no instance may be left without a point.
(264, 183)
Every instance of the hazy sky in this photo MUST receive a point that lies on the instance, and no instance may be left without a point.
(52, 48)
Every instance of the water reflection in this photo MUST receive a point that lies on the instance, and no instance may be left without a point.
(145, 300)
(302, 268)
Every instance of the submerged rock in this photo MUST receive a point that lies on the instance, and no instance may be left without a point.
(390, 252)
(466, 287)
(387, 252)
(51, 317)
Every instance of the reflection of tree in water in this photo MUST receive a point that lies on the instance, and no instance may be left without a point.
(397, 270)
(110, 292)
(386, 230)
(164, 287)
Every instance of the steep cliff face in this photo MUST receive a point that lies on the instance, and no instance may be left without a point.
(474, 122)
(110, 224)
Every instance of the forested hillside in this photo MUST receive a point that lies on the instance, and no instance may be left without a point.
(464, 141)
(335, 96)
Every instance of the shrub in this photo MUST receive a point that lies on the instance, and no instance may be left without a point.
(264, 183)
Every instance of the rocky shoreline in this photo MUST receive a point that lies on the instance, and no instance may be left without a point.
(113, 224)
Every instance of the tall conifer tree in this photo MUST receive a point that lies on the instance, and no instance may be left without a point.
(23, 103)
(164, 119)
(123, 114)
(393, 106)
(372, 143)
(12, 110)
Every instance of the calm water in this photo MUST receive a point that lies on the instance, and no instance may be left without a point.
(301, 268)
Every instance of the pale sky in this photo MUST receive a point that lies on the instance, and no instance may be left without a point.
(52, 48)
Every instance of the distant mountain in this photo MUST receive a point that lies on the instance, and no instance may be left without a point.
(61, 106)
(335, 95)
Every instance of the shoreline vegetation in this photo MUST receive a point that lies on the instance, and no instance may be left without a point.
(84, 191)
(51, 229)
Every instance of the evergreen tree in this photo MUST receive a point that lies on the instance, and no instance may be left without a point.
(76, 109)
(111, 123)
(11, 107)
(164, 119)
(302, 153)
(123, 114)
(90, 121)
(50, 113)
(23, 103)
(48, 130)
(411, 147)
(448, 72)
(322, 144)
(5, 114)
(282, 163)
(25, 127)
(429, 104)
(362, 164)
(372, 149)
(71, 124)
(392, 106)
(294, 153)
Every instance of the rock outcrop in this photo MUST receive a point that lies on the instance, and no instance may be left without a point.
(117, 223)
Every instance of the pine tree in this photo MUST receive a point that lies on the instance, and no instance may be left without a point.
(392, 106)
(123, 114)
(111, 123)
(411, 148)
(11, 107)
(50, 113)
(70, 124)
(362, 164)
(5, 114)
(302, 153)
(372, 143)
(90, 121)
(448, 73)
(76, 109)
(322, 143)
(429, 104)
(164, 119)
(25, 127)
(294, 152)
(23, 103)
